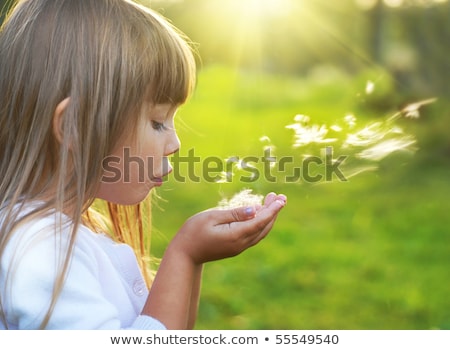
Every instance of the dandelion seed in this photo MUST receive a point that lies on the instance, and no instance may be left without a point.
(350, 120)
(240, 165)
(243, 198)
(294, 127)
(300, 118)
(268, 148)
(412, 110)
(224, 177)
(370, 87)
(313, 134)
(385, 148)
(336, 128)
(254, 176)
(369, 135)
(397, 130)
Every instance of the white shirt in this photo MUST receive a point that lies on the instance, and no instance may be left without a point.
(104, 288)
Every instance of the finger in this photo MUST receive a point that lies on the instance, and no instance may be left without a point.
(263, 234)
(280, 201)
(233, 215)
(257, 225)
(258, 236)
(282, 198)
(269, 199)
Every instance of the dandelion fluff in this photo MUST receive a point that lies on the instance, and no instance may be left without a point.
(244, 198)
(370, 143)
(413, 110)
(385, 148)
(300, 118)
(336, 128)
(224, 177)
(370, 87)
(264, 138)
(350, 120)
(305, 135)
(369, 135)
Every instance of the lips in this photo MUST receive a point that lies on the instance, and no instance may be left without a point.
(159, 180)
(169, 170)
(166, 170)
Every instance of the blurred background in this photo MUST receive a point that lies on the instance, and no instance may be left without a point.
(372, 252)
(369, 253)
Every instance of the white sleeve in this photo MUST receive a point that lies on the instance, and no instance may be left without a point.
(82, 303)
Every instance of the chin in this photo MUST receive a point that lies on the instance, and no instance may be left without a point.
(129, 198)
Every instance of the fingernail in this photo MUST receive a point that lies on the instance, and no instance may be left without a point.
(249, 210)
(280, 204)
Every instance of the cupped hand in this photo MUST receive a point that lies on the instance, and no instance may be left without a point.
(217, 234)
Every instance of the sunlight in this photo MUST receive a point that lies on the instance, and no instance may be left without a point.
(393, 3)
(265, 8)
(252, 20)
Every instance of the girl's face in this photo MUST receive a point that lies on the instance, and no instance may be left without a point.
(140, 162)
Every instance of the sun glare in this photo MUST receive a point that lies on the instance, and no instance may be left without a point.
(251, 21)
(264, 8)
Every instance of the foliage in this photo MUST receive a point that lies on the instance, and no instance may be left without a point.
(290, 36)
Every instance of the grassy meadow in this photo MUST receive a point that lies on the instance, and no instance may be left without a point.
(372, 252)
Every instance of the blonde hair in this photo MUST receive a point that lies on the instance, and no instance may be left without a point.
(108, 56)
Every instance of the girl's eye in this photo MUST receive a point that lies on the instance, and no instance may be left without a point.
(158, 126)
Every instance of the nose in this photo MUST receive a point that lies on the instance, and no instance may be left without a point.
(173, 145)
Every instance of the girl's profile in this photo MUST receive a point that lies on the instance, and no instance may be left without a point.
(81, 81)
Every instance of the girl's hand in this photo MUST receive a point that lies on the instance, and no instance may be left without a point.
(211, 235)
(217, 234)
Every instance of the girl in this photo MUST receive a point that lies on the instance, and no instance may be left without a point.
(82, 82)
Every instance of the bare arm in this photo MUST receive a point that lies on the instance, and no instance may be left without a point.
(208, 236)
(195, 298)
(170, 297)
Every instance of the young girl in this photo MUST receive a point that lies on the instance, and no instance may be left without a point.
(82, 83)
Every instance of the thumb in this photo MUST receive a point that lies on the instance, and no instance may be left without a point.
(235, 214)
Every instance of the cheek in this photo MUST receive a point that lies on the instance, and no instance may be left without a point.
(151, 155)
(128, 168)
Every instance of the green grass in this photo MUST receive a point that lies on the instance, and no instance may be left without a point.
(369, 253)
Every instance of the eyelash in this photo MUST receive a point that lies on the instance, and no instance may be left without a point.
(158, 126)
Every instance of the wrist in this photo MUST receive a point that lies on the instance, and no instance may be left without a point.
(179, 251)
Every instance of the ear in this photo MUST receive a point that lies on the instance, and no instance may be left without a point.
(58, 119)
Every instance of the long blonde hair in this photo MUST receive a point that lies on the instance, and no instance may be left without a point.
(108, 56)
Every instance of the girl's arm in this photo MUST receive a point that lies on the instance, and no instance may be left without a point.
(208, 236)
(195, 298)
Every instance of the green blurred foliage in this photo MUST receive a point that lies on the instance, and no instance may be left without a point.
(370, 253)
(286, 36)
(4, 6)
